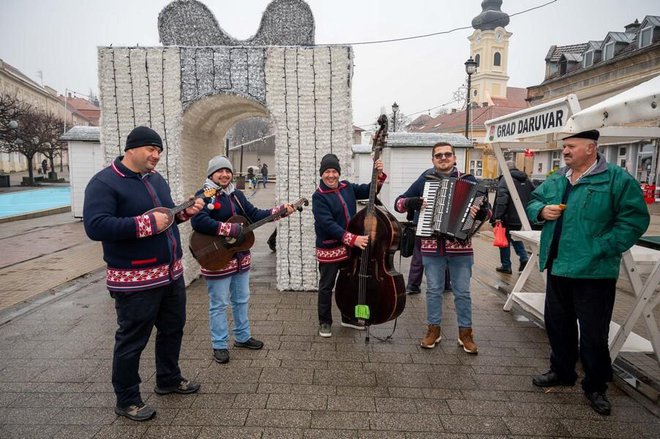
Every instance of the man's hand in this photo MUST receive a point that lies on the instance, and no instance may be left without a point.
(378, 164)
(551, 212)
(289, 209)
(195, 208)
(162, 221)
(414, 203)
(361, 242)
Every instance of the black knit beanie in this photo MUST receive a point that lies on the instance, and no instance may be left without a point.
(143, 136)
(329, 161)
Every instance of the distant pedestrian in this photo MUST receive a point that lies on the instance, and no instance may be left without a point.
(44, 166)
(504, 211)
(264, 174)
(144, 273)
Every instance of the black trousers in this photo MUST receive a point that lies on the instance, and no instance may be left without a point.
(137, 313)
(328, 277)
(589, 304)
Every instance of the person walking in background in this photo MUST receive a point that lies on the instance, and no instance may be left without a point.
(441, 253)
(145, 273)
(504, 211)
(592, 211)
(231, 283)
(264, 175)
(333, 205)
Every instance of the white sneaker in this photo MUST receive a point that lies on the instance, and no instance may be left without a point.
(354, 325)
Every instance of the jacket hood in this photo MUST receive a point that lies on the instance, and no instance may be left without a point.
(518, 174)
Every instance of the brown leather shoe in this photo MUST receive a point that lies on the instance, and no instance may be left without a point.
(465, 339)
(432, 337)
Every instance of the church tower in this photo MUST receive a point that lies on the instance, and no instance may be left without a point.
(489, 47)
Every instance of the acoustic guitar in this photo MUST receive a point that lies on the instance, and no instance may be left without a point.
(172, 211)
(214, 252)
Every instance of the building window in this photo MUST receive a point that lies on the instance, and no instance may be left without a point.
(589, 58)
(477, 59)
(556, 155)
(622, 151)
(497, 59)
(609, 51)
(645, 37)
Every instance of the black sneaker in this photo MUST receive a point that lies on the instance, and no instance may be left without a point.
(184, 387)
(523, 264)
(221, 355)
(503, 270)
(412, 291)
(551, 379)
(251, 343)
(136, 412)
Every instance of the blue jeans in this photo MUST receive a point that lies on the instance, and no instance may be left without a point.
(505, 253)
(237, 289)
(460, 270)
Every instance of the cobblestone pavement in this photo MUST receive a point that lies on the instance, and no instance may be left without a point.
(55, 364)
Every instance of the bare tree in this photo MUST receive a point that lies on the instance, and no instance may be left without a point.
(10, 110)
(49, 133)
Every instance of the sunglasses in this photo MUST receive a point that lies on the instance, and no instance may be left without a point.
(443, 155)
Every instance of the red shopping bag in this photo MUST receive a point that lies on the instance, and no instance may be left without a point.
(499, 232)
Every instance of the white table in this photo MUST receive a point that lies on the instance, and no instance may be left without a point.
(621, 338)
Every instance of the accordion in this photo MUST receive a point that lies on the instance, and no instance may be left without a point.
(447, 210)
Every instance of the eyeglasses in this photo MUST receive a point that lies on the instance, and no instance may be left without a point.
(443, 154)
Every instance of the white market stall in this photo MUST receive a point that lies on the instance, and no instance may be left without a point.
(405, 157)
(633, 114)
(85, 159)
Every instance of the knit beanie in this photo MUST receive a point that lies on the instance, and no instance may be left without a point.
(143, 136)
(329, 161)
(219, 162)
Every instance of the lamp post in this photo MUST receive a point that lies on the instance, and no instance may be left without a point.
(470, 69)
(395, 110)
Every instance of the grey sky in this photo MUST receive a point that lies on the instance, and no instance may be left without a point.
(60, 39)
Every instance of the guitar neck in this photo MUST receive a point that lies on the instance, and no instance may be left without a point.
(183, 206)
(297, 206)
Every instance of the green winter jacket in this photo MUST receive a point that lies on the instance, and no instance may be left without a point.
(605, 215)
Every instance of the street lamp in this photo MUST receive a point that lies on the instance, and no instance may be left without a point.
(470, 69)
(395, 110)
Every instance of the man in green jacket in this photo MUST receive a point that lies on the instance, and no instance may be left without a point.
(591, 212)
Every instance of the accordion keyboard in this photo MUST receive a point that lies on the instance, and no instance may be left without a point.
(425, 225)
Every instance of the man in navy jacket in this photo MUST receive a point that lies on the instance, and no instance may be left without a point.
(333, 205)
(144, 270)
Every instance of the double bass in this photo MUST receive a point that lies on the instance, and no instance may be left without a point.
(368, 287)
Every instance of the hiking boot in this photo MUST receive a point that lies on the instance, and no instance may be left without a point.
(503, 270)
(432, 337)
(325, 330)
(352, 323)
(551, 379)
(136, 412)
(221, 355)
(523, 264)
(184, 387)
(599, 403)
(251, 343)
(465, 339)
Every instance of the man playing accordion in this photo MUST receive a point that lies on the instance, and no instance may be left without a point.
(441, 252)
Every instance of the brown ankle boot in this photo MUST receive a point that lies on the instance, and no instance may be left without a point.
(465, 339)
(432, 337)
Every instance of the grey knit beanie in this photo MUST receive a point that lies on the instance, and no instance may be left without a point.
(219, 162)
